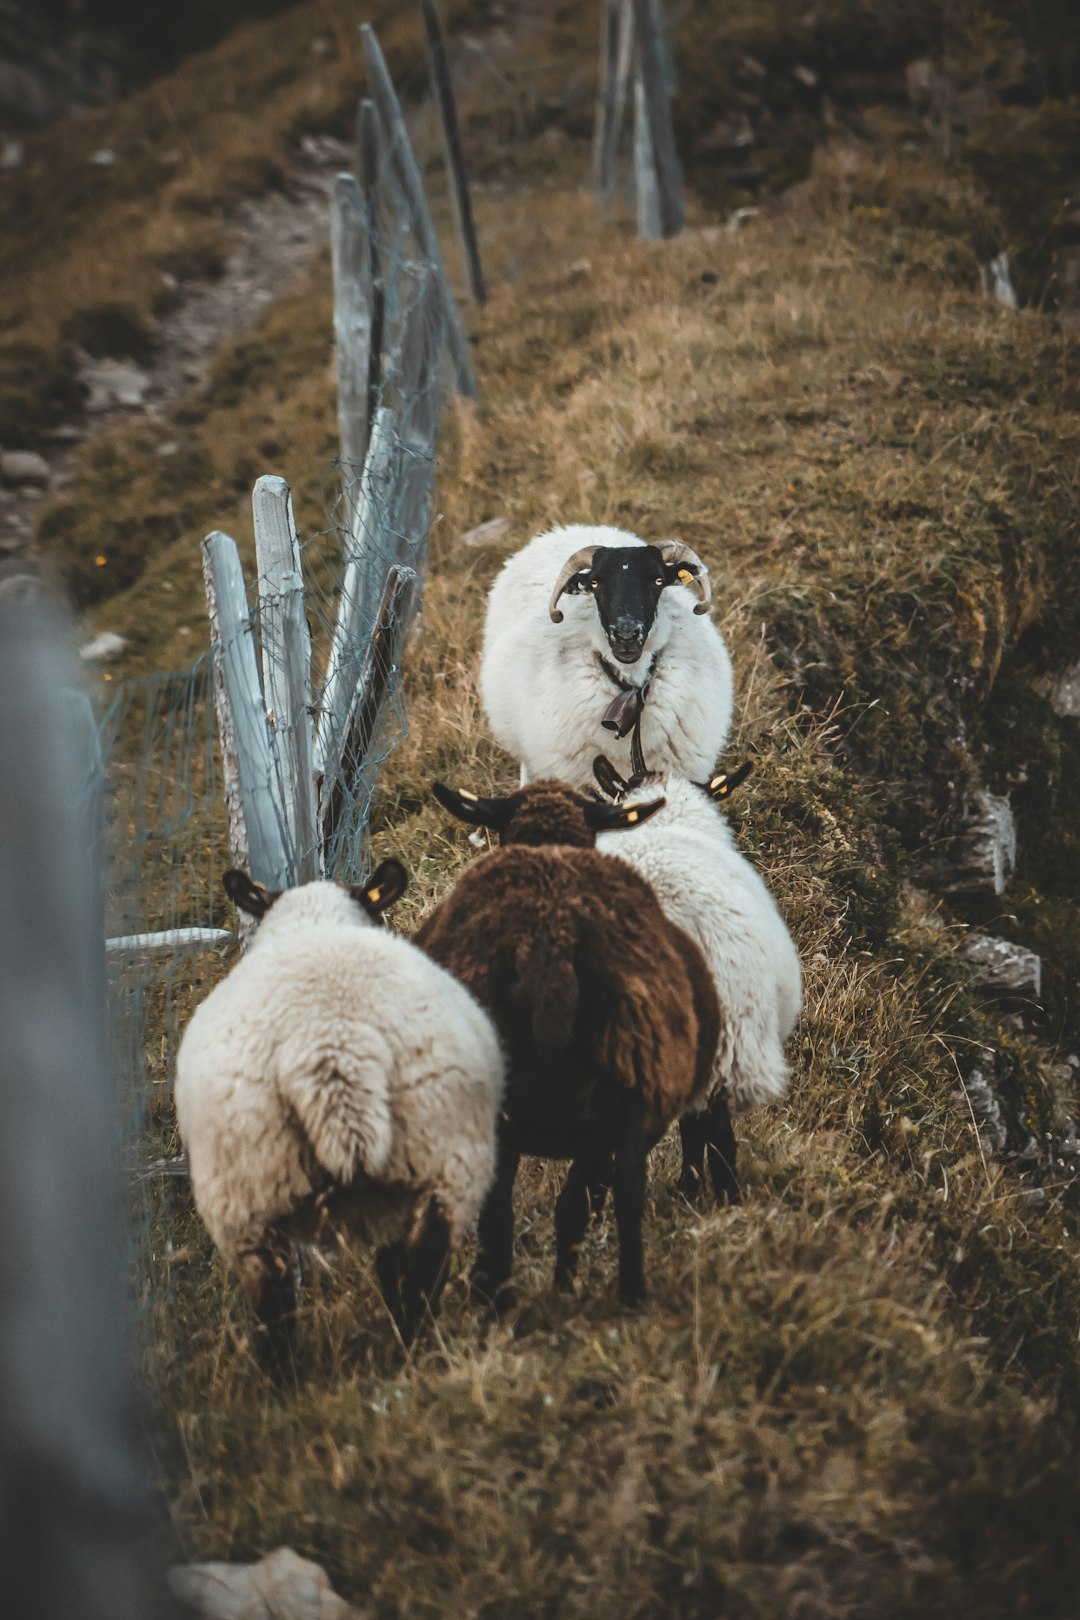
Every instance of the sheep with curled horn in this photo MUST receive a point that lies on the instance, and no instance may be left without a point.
(708, 887)
(598, 641)
(607, 1011)
(336, 1082)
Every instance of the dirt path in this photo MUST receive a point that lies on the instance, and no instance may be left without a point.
(272, 238)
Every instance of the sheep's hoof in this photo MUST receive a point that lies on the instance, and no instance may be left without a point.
(691, 1185)
(564, 1279)
(498, 1297)
(632, 1296)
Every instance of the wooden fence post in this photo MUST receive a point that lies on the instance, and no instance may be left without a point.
(416, 392)
(605, 135)
(367, 140)
(256, 835)
(654, 100)
(352, 325)
(455, 158)
(407, 173)
(646, 188)
(371, 517)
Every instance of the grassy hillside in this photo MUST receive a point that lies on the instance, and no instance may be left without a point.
(857, 1395)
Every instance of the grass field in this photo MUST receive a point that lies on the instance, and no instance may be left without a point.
(857, 1395)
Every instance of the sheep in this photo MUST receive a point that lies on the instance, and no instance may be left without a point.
(643, 677)
(337, 1079)
(707, 887)
(607, 1013)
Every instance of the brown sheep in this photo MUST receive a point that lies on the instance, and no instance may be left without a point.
(607, 1012)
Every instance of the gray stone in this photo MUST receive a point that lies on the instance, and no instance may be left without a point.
(113, 383)
(997, 281)
(283, 1586)
(984, 854)
(999, 966)
(103, 648)
(1065, 692)
(24, 467)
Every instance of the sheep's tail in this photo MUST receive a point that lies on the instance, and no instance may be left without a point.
(548, 983)
(343, 1106)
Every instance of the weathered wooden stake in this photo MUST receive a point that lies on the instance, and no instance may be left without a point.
(417, 399)
(352, 325)
(657, 111)
(604, 135)
(371, 516)
(256, 835)
(455, 157)
(367, 141)
(646, 188)
(407, 173)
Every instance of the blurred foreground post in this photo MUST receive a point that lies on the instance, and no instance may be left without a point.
(455, 157)
(75, 1537)
(367, 142)
(614, 26)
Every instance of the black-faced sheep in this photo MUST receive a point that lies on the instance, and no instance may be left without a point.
(607, 1011)
(337, 1079)
(591, 645)
(708, 887)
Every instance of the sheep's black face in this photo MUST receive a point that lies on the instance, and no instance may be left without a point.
(545, 812)
(627, 583)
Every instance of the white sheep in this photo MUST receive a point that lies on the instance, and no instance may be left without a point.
(708, 888)
(580, 624)
(337, 1078)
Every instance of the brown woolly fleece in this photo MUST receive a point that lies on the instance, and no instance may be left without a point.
(583, 974)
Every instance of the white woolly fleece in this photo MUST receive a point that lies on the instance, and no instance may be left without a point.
(334, 1047)
(708, 888)
(544, 694)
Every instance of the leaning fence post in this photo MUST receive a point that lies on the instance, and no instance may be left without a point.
(654, 101)
(286, 661)
(367, 141)
(371, 512)
(256, 836)
(455, 158)
(408, 175)
(352, 325)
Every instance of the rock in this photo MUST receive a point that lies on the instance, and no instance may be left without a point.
(12, 155)
(103, 158)
(487, 534)
(113, 383)
(984, 853)
(24, 467)
(103, 648)
(997, 281)
(806, 76)
(985, 1110)
(999, 966)
(920, 79)
(1065, 692)
(283, 1586)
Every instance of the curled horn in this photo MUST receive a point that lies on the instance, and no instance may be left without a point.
(573, 565)
(674, 552)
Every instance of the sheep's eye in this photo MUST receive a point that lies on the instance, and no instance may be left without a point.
(658, 582)
(594, 584)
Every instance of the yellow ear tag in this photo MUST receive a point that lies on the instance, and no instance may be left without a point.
(631, 815)
(375, 894)
(463, 793)
(719, 783)
(260, 886)
(685, 576)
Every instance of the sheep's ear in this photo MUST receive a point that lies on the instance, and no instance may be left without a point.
(719, 786)
(470, 807)
(608, 778)
(386, 884)
(248, 895)
(616, 817)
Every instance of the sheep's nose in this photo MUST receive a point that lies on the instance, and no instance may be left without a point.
(627, 637)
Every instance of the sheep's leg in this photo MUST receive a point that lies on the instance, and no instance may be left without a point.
(722, 1150)
(584, 1191)
(629, 1186)
(600, 1184)
(269, 1284)
(426, 1266)
(494, 1260)
(693, 1132)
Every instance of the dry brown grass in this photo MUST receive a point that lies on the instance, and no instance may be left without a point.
(858, 1394)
